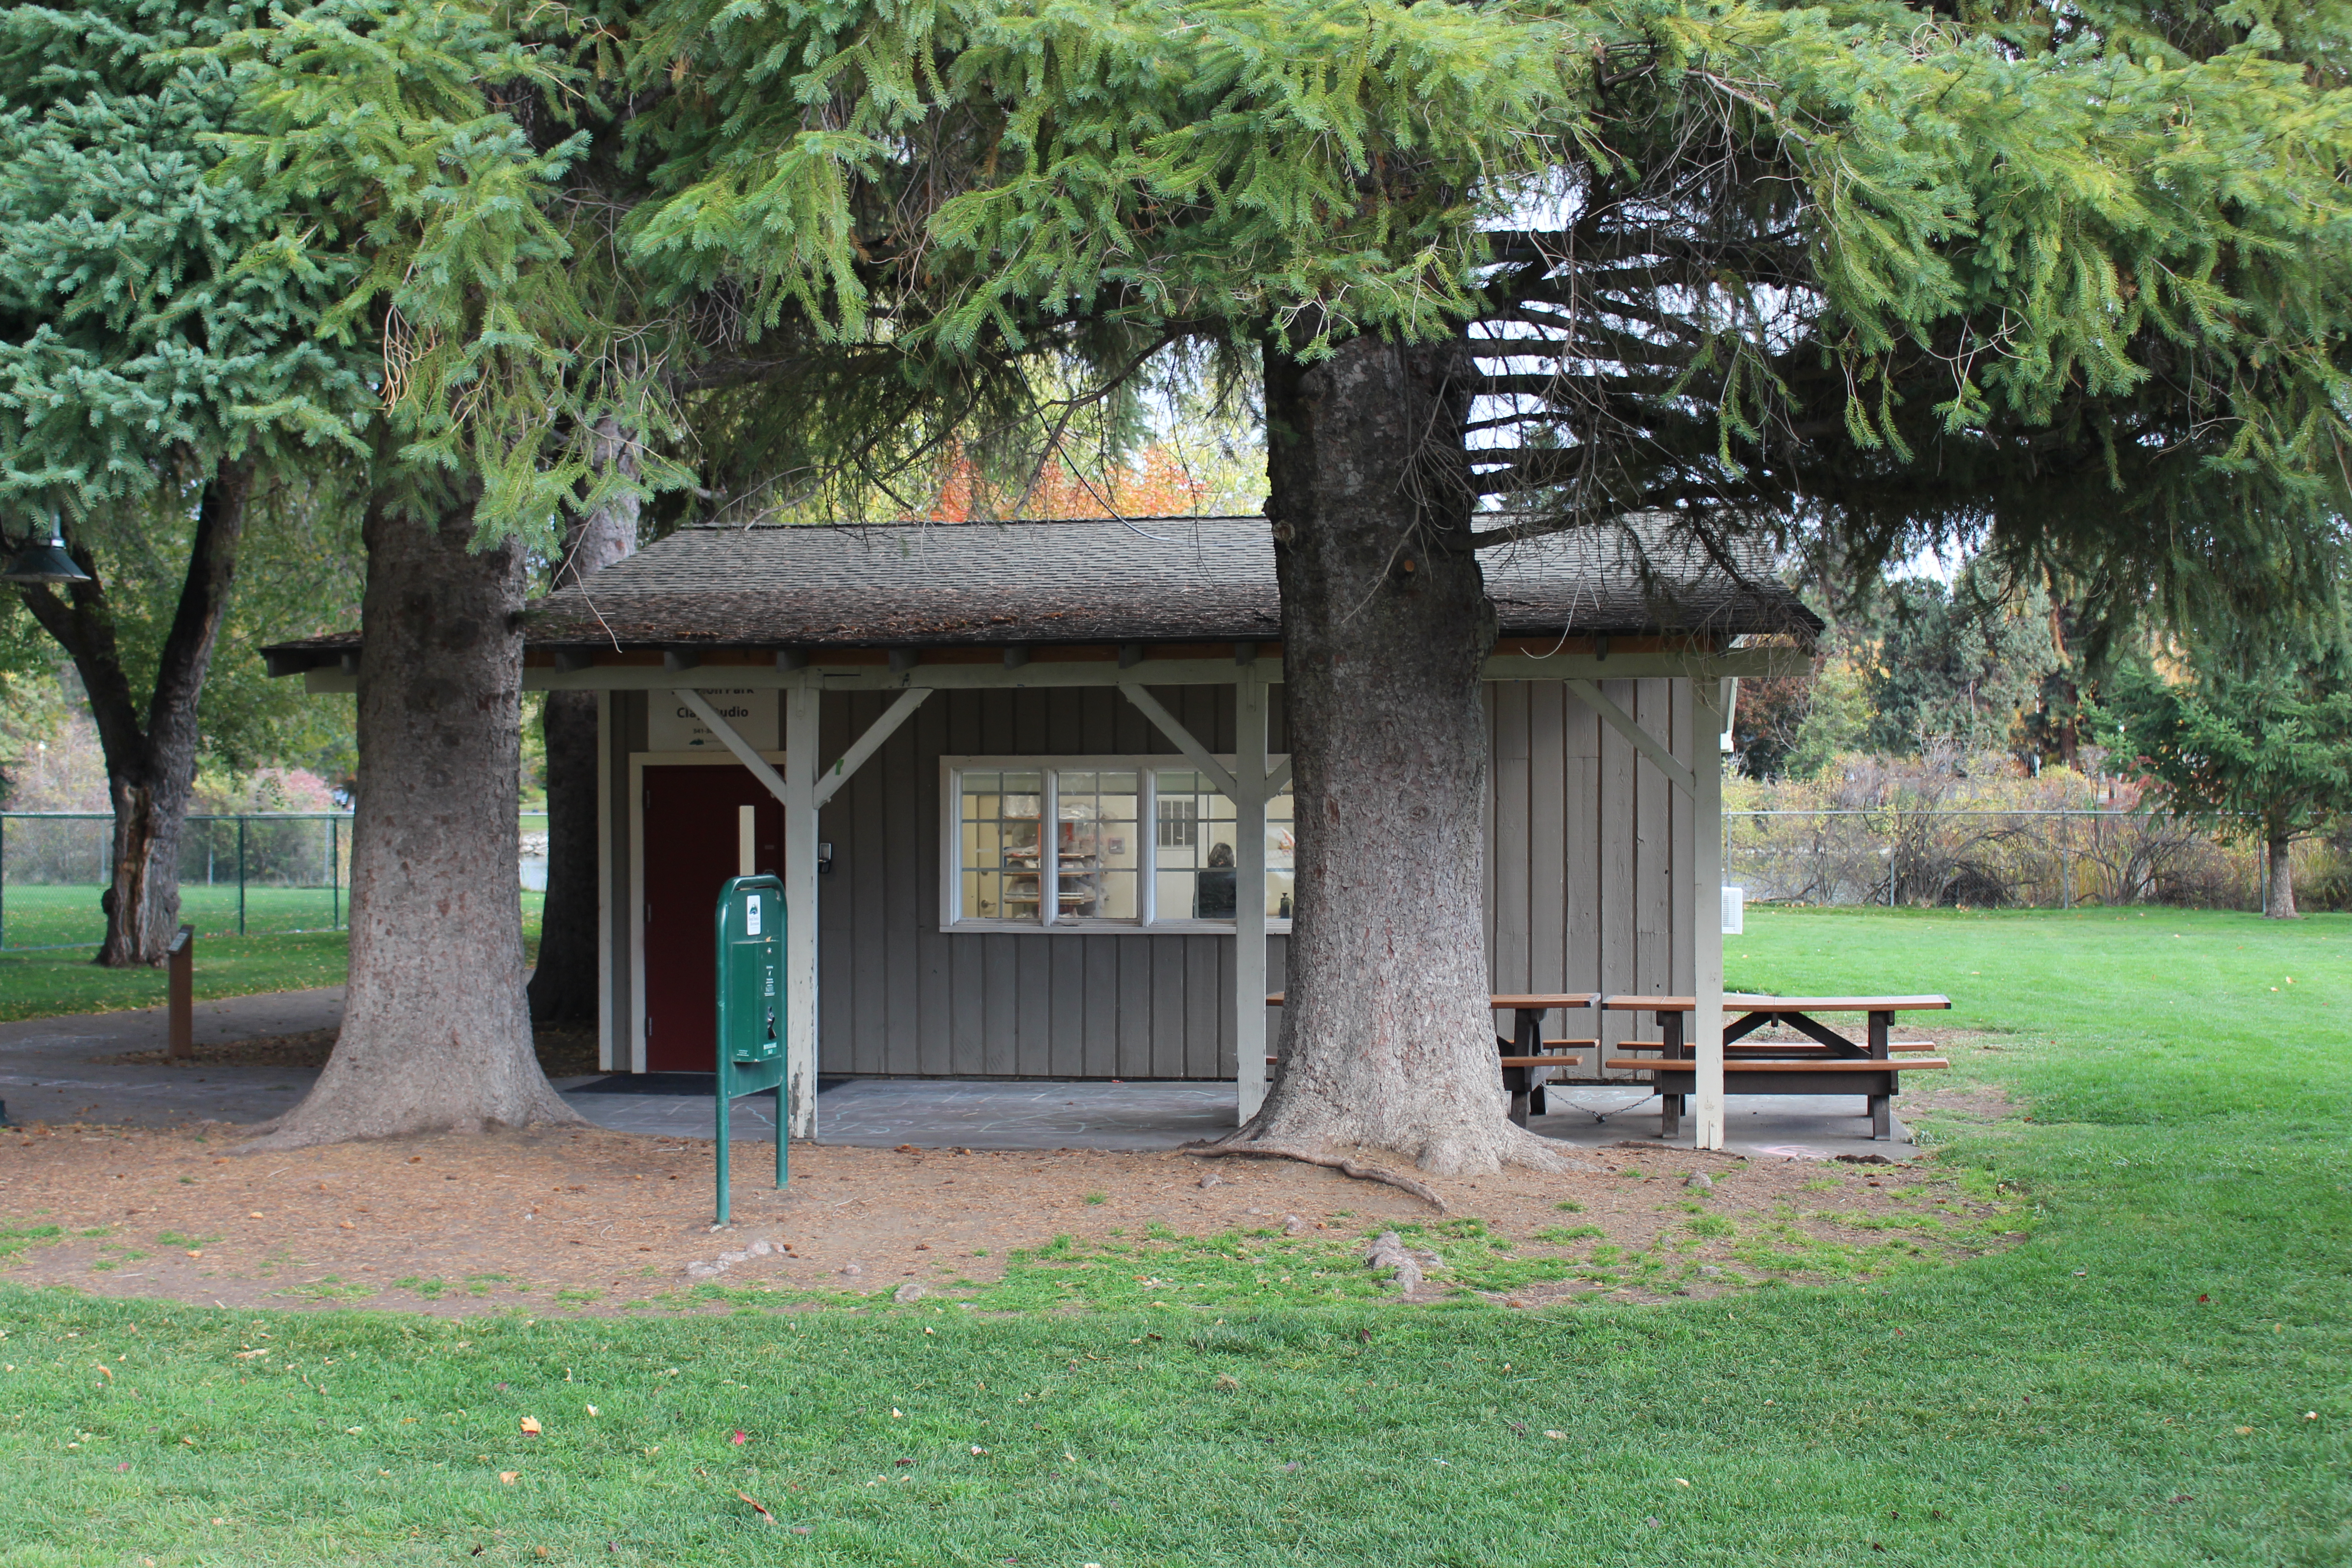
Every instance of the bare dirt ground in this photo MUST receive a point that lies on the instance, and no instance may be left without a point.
(593, 1221)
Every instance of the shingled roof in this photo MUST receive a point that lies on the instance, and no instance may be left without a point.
(1149, 580)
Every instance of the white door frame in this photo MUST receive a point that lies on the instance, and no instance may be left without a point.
(635, 1042)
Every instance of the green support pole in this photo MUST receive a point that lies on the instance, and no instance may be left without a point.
(726, 1099)
(241, 875)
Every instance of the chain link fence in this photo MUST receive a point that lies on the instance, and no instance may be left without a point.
(273, 873)
(2004, 859)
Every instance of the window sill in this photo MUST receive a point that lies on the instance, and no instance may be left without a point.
(1274, 927)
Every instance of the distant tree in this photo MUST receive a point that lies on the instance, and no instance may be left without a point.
(1152, 483)
(1961, 667)
(2249, 732)
(1837, 715)
(1765, 721)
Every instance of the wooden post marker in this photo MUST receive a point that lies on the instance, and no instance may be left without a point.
(181, 992)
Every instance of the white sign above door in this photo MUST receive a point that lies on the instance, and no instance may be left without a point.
(671, 726)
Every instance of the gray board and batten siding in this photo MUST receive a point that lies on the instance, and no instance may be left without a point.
(1586, 853)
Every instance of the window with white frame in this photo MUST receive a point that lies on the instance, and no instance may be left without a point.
(1100, 844)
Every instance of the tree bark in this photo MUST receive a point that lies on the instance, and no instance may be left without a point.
(2278, 904)
(1387, 1038)
(151, 768)
(563, 986)
(436, 1037)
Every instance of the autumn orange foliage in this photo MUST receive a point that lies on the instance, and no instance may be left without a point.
(1155, 483)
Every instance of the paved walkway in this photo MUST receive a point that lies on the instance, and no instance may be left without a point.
(47, 1074)
(943, 1113)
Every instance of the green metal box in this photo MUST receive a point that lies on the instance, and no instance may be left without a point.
(752, 1018)
(750, 970)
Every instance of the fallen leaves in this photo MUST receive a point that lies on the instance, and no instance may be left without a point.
(530, 1427)
(509, 1476)
(757, 1506)
(740, 1437)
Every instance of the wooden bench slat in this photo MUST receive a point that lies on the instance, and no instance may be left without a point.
(1784, 1064)
(1791, 1048)
(1756, 1002)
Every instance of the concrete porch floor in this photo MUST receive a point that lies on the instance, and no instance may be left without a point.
(47, 1074)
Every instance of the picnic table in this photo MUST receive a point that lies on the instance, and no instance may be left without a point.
(1526, 1056)
(1830, 1063)
(1524, 1053)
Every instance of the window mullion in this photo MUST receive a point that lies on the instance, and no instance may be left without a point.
(1049, 848)
(1146, 835)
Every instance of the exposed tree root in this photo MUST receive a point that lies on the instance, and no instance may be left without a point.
(1538, 1152)
(1338, 1162)
(285, 1132)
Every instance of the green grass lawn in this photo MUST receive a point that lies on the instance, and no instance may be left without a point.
(42, 915)
(2128, 1384)
(281, 954)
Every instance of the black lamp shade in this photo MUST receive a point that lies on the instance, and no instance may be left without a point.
(43, 561)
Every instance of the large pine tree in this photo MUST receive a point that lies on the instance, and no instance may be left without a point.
(430, 159)
(1882, 271)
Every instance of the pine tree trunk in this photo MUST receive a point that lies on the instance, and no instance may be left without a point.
(2279, 903)
(563, 986)
(1387, 1038)
(436, 1037)
(151, 769)
(564, 982)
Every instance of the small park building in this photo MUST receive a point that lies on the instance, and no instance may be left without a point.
(1031, 779)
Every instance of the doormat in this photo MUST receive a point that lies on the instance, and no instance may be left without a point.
(704, 1084)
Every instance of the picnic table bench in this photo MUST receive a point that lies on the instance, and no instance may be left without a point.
(1829, 1063)
(1524, 1053)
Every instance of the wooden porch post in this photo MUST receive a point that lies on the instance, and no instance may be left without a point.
(1707, 907)
(1249, 893)
(800, 906)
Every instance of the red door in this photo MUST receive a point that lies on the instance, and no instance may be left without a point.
(691, 816)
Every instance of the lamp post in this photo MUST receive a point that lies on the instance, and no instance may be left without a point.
(43, 563)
